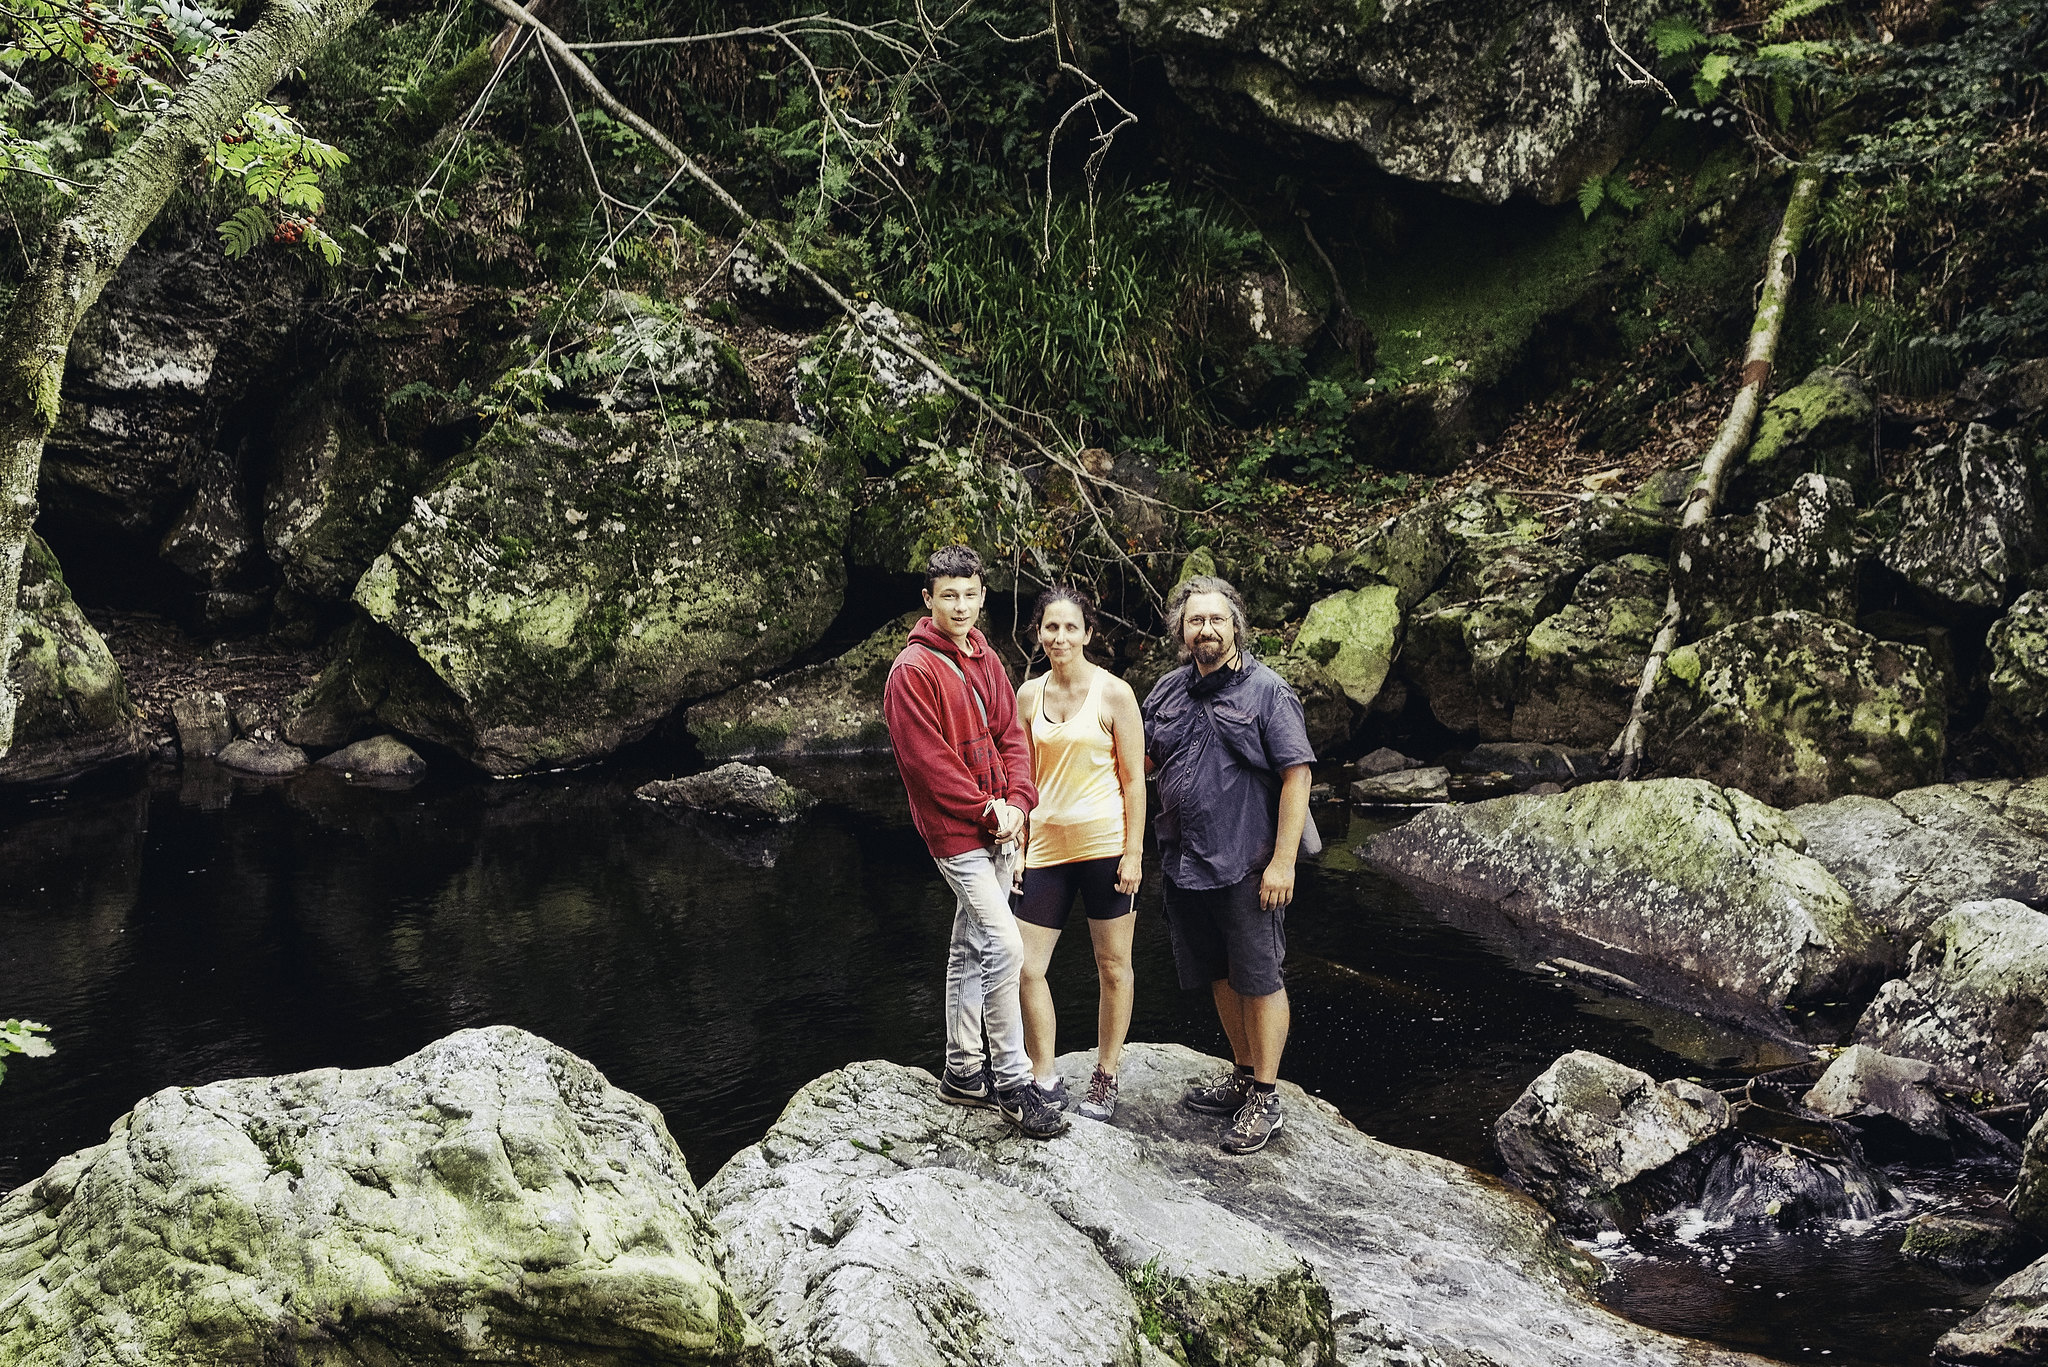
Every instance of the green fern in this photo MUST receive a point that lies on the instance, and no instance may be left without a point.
(1791, 12)
(1591, 194)
(249, 228)
(1713, 74)
(1674, 36)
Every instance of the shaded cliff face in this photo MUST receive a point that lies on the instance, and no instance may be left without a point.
(1481, 99)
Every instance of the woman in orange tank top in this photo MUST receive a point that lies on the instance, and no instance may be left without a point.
(1087, 833)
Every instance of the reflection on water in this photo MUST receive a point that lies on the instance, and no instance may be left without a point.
(214, 926)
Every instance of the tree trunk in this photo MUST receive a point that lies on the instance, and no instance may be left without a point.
(87, 247)
(1732, 439)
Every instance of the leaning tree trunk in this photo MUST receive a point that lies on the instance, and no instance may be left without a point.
(1731, 439)
(87, 247)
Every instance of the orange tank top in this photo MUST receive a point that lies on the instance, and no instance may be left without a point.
(1080, 812)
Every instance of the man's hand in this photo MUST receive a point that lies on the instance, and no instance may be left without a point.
(1009, 821)
(1276, 888)
(1130, 871)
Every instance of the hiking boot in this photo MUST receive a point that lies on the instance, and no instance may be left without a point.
(1100, 1103)
(1257, 1122)
(1055, 1095)
(1219, 1098)
(978, 1091)
(1026, 1107)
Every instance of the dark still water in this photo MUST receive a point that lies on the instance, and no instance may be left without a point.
(205, 926)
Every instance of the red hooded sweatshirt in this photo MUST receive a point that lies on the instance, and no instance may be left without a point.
(952, 762)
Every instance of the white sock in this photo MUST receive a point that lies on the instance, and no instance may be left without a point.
(1048, 1081)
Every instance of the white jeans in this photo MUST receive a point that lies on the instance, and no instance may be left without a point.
(982, 968)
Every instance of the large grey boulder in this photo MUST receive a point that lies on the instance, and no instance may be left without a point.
(833, 708)
(580, 576)
(489, 1199)
(1581, 667)
(1588, 1126)
(1658, 880)
(1326, 1247)
(1974, 1001)
(1895, 1107)
(72, 711)
(1479, 100)
(2010, 1329)
(1466, 643)
(1820, 426)
(1797, 550)
(2017, 715)
(1909, 859)
(1354, 636)
(1796, 707)
(1971, 525)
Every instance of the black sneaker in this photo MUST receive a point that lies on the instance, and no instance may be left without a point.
(1257, 1122)
(1055, 1095)
(1219, 1098)
(978, 1091)
(1026, 1108)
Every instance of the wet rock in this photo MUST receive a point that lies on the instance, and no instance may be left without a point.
(1969, 1243)
(72, 712)
(2017, 716)
(1327, 711)
(377, 757)
(1768, 1180)
(201, 717)
(582, 575)
(742, 790)
(1820, 426)
(1466, 642)
(834, 708)
(1477, 100)
(1582, 665)
(1527, 762)
(1971, 525)
(270, 758)
(1403, 786)
(490, 1197)
(1910, 859)
(1894, 1106)
(1326, 1246)
(1796, 708)
(1354, 636)
(1384, 760)
(1660, 880)
(2009, 1330)
(1974, 1001)
(1796, 551)
(1588, 1126)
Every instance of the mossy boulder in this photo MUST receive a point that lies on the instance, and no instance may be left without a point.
(1822, 425)
(72, 714)
(580, 577)
(1327, 711)
(640, 354)
(1795, 551)
(1971, 522)
(1796, 707)
(2017, 716)
(940, 496)
(1416, 549)
(1466, 645)
(1354, 636)
(833, 708)
(1581, 667)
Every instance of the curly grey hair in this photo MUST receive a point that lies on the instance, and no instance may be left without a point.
(1177, 607)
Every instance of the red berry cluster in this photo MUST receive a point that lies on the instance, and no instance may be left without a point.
(291, 231)
(240, 135)
(104, 76)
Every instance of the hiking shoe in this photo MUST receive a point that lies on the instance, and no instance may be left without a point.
(1257, 1122)
(1055, 1095)
(978, 1091)
(1026, 1107)
(1219, 1098)
(1100, 1103)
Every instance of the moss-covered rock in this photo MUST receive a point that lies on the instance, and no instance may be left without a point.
(1466, 642)
(1795, 708)
(1327, 710)
(1971, 522)
(1819, 426)
(834, 708)
(1581, 667)
(1416, 549)
(941, 496)
(1354, 636)
(2017, 716)
(72, 713)
(580, 577)
(1795, 551)
(642, 354)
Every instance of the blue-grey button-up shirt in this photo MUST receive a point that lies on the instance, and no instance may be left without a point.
(1218, 761)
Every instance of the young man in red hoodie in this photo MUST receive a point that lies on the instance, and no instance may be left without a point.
(952, 718)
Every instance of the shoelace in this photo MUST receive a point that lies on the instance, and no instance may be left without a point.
(1101, 1087)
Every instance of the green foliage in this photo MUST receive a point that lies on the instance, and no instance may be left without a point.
(1614, 190)
(24, 1038)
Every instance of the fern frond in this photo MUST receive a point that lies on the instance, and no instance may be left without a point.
(1791, 12)
(1675, 36)
(248, 229)
(1623, 195)
(318, 240)
(1713, 74)
(1591, 193)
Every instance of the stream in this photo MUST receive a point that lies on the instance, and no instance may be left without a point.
(195, 925)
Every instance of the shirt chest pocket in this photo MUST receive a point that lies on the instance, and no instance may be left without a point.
(1240, 733)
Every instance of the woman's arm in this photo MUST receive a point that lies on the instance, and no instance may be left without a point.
(1127, 728)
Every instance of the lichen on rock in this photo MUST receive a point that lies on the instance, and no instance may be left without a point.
(1582, 665)
(1971, 522)
(2017, 716)
(1795, 551)
(72, 711)
(1821, 426)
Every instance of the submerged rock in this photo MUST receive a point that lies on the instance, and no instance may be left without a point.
(1796, 707)
(1588, 1126)
(741, 790)
(1971, 524)
(72, 712)
(270, 758)
(376, 757)
(860, 1235)
(834, 708)
(1583, 665)
(1820, 426)
(1910, 859)
(1662, 879)
(2018, 713)
(490, 1198)
(1974, 1001)
(583, 575)
(1796, 551)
